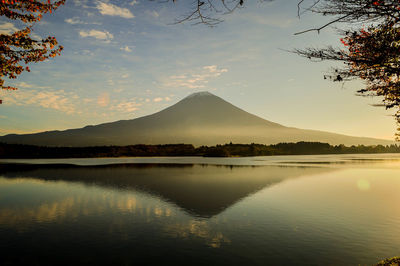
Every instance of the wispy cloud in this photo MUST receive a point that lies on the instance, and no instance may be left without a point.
(113, 10)
(126, 106)
(134, 2)
(84, 52)
(152, 13)
(25, 85)
(7, 28)
(103, 100)
(194, 80)
(160, 99)
(101, 35)
(57, 100)
(81, 3)
(214, 70)
(76, 20)
(126, 49)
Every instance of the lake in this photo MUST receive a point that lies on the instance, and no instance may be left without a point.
(277, 210)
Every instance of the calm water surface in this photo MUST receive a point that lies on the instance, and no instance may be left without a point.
(288, 210)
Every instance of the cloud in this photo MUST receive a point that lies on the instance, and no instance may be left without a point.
(214, 69)
(81, 3)
(76, 20)
(7, 28)
(152, 13)
(113, 10)
(159, 99)
(57, 100)
(87, 100)
(134, 2)
(84, 52)
(25, 85)
(36, 37)
(126, 106)
(194, 80)
(110, 82)
(126, 49)
(101, 35)
(103, 100)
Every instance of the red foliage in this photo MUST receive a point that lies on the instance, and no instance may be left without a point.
(19, 48)
(374, 56)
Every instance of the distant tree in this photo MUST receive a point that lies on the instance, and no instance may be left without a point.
(19, 48)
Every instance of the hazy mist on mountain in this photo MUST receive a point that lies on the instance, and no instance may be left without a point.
(199, 119)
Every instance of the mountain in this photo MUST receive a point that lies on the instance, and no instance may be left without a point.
(199, 119)
(182, 184)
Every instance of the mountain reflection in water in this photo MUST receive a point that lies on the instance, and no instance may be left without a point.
(127, 213)
(179, 214)
(201, 190)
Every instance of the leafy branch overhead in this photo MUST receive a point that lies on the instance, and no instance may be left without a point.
(19, 48)
(370, 52)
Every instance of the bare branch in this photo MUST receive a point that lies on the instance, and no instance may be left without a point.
(205, 11)
(324, 26)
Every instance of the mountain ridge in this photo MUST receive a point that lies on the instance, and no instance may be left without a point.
(199, 119)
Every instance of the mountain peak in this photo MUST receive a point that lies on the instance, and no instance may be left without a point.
(200, 94)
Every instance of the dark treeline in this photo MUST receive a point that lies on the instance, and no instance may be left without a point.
(226, 150)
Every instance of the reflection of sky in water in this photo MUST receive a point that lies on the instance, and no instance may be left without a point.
(362, 160)
(343, 216)
(53, 203)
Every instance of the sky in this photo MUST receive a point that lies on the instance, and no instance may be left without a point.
(127, 59)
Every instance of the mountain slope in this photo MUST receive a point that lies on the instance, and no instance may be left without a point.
(200, 119)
